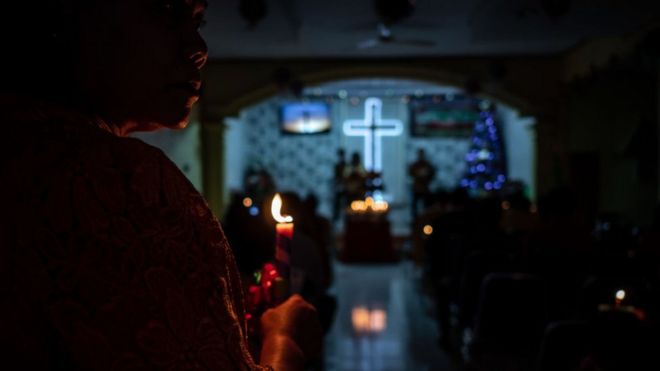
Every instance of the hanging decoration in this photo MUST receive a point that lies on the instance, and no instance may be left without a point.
(253, 11)
(472, 86)
(287, 83)
(297, 87)
(485, 161)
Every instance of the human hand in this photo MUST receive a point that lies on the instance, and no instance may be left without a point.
(297, 320)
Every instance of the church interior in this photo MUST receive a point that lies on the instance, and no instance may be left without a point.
(469, 185)
(476, 183)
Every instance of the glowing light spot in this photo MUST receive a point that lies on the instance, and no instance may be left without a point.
(377, 320)
(484, 154)
(360, 319)
(369, 204)
(620, 295)
(428, 230)
(367, 321)
(358, 206)
(247, 202)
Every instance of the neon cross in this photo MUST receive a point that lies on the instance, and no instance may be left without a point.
(373, 128)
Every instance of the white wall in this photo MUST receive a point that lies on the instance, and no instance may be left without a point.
(183, 147)
(520, 147)
(234, 155)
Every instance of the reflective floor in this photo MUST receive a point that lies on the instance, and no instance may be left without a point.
(384, 321)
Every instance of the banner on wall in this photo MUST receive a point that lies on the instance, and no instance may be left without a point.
(441, 117)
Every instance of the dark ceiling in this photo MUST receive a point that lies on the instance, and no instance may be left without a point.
(349, 28)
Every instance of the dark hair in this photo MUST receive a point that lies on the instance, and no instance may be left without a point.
(40, 37)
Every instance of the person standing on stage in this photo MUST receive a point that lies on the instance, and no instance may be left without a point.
(422, 173)
(338, 189)
(355, 179)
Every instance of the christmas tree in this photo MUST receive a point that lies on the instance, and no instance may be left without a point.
(486, 166)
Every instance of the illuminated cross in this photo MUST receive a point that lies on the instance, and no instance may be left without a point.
(373, 128)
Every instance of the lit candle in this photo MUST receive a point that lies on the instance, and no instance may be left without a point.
(283, 238)
(618, 297)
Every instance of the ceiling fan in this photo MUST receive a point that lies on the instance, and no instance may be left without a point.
(391, 12)
(385, 36)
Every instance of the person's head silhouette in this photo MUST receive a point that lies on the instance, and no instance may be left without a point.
(134, 64)
(355, 159)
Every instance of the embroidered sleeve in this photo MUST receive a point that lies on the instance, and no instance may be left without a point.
(126, 263)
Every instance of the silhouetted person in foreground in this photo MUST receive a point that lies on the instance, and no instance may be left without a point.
(111, 259)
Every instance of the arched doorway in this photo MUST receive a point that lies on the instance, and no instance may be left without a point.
(254, 140)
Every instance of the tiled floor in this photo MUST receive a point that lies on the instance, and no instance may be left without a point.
(383, 321)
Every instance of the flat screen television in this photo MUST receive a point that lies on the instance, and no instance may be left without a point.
(305, 118)
(443, 118)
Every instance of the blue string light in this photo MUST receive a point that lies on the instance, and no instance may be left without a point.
(485, 159)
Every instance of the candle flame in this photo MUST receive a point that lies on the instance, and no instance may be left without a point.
(358, 206)
(620, 295)
(369, 204)
(276, 210)
(381, 206)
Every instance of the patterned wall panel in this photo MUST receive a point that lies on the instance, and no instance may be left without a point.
(297, 163)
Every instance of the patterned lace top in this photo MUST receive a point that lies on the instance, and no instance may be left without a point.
(110, 259)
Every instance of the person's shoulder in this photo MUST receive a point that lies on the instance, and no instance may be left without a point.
(97, 149)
